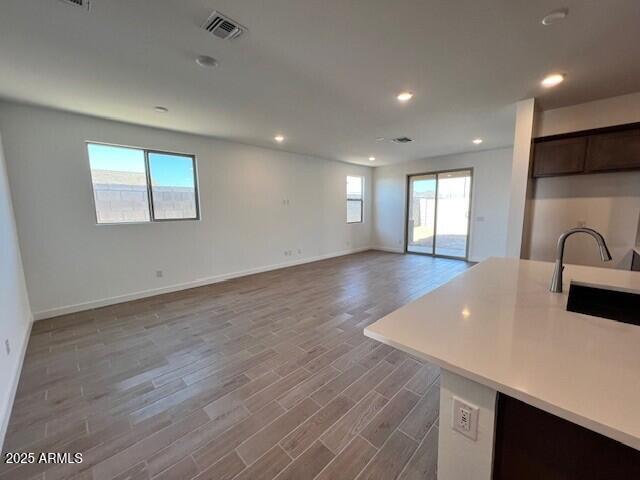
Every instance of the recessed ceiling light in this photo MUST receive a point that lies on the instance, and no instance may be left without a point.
(160, 109)
(555, 16)
(477, 141)
(372, 159)
(405, 96)
(552, 80)
(380, 139)
(206, 61)
(279, 138)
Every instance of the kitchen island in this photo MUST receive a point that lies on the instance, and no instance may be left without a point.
(497, 329)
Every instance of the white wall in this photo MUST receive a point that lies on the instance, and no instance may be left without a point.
(608, 202)
(520, 184)
(71, 263)
(15, 315)
(490, 199)
(584, 116)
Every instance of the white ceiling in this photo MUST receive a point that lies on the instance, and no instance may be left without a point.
(323, 72)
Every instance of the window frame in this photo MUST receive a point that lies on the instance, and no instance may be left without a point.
(149, 186)
(152, 211)
(360, 200)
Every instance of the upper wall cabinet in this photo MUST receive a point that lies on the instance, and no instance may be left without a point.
(614, 151)
(601, 150)
(559, 157)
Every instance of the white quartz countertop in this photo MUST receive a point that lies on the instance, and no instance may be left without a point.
(499, 325)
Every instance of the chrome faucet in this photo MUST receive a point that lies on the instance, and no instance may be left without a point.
(605, 255)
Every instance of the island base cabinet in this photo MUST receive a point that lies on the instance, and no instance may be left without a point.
(531, 444)
(459, 457)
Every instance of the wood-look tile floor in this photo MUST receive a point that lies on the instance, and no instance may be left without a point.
(266, 376)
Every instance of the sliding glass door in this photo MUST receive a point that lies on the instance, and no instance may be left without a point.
(439, 205)
(422, 211)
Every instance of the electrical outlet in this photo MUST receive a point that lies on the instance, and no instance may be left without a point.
(7, 346)
(465, 418)
(159, 273)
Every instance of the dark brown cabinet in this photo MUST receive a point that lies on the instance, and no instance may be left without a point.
(601, 150)
(531, 444)
(560, 157)
(635, 262)
(614, 151)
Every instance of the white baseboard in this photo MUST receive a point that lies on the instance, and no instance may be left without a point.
(79, 307)
(4, 419)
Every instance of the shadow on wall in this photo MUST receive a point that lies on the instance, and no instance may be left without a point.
(608, 202)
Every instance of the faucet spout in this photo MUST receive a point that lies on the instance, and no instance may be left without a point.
(605, 255)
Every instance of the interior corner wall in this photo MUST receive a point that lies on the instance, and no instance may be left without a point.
(15, 314)
(489, 199)
(520, 184)
(72, 264)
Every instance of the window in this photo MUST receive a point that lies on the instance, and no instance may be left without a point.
(438, 218)
(173, 194)
(354, 199)
(132, 185)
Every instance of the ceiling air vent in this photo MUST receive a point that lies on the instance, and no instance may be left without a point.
(78, 3)
(223, 27)
(402, 140)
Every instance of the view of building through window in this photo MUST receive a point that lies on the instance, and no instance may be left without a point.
(172, 186)
(126, 179)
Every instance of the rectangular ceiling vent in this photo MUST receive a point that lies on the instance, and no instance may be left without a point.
(223, 27)
(86, 4)
(402, 140)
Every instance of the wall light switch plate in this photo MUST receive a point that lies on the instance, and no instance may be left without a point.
(465, 418)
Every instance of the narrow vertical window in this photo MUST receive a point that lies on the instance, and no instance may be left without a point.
(354, 199)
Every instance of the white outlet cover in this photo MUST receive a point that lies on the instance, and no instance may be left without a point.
(465, 418)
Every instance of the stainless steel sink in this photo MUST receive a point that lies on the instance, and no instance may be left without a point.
(599, 301)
